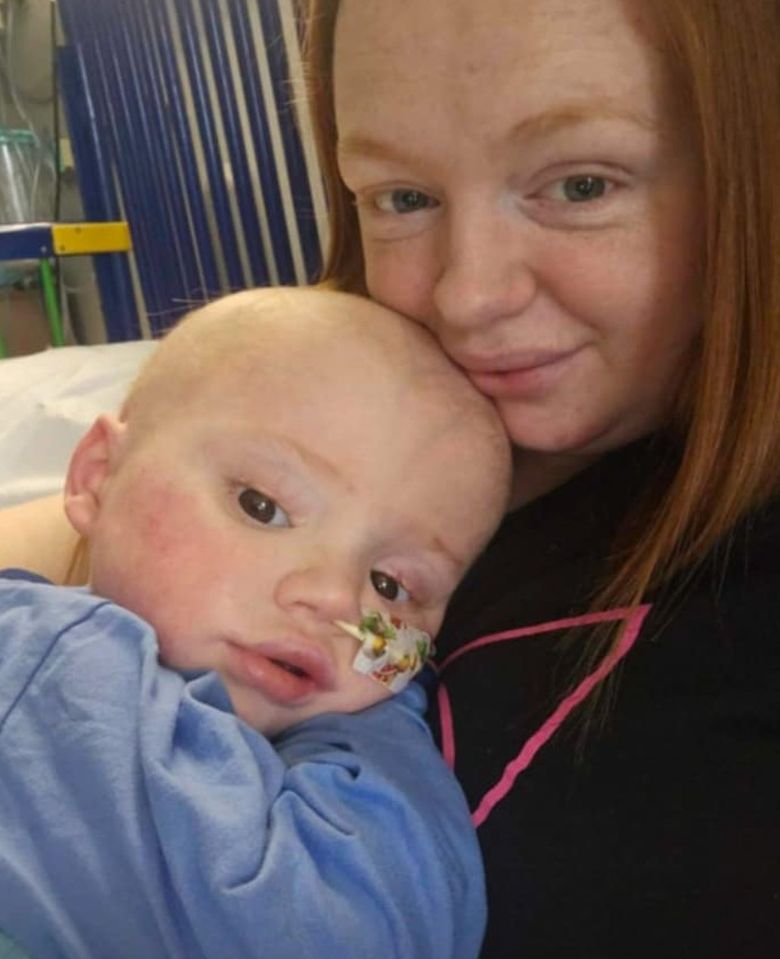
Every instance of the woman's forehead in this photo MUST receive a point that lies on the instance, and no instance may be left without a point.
(392, 56)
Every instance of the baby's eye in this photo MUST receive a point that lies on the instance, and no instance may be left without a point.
(262, 508)
(404, 201)
(388, 587)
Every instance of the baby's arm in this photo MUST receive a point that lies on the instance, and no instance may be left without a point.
(36, 536)
(138, 816)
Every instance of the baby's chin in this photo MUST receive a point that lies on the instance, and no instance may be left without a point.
(271, 719)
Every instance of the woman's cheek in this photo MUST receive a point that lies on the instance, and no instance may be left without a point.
(401, 277)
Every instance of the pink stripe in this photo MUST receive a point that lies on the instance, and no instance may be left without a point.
(634, 618)
(447, 727)
(589, 619)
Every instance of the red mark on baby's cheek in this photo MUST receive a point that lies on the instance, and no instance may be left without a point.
(165, 515)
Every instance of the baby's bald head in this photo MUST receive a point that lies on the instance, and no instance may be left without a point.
(337, 350)
(304, 332)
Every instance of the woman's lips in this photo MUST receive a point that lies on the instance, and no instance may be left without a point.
(288, 674)
(520, 377)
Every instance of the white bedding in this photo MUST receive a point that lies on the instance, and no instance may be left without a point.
(47, 401)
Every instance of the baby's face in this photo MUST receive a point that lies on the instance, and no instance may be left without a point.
(269, 506)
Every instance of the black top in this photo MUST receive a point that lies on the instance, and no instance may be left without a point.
(661, 836)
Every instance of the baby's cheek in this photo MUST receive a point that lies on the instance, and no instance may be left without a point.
(169, 549)
(172, 523)
(366, 692)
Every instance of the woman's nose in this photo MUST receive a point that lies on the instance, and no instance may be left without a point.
(321, 588)
(486, 274)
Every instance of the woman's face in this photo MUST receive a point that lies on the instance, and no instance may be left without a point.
(526, 190)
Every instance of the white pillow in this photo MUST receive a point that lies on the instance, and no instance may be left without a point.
(47, 401)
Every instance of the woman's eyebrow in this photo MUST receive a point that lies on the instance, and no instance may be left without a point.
(369, 148)
(357, 146)
(576, 113)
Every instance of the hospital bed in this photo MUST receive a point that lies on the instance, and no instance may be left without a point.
(47, 401)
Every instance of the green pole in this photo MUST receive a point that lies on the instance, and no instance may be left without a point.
(51, 304)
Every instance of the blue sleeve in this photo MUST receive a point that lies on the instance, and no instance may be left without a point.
(140, 817)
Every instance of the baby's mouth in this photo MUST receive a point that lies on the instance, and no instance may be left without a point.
(295, 670)
(288, 671)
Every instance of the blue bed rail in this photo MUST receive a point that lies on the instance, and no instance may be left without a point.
(183, 122)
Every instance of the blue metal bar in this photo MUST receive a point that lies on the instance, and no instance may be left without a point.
(261, 138)
(159, 150)
(138, 135)
(136, 129)
(235, 141)
(208, 132)
(25, 241)
(146, 140)
(112, 271)
(130, 144)
(276, 53)
(83, 27)
(107, 79)
(177, 118)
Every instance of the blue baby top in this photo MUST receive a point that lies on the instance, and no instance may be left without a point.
(139, 818)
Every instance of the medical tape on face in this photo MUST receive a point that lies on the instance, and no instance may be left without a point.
(390, 652)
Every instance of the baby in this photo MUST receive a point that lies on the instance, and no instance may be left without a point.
(294, 487)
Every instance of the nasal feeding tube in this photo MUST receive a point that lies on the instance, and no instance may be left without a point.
(390, 652)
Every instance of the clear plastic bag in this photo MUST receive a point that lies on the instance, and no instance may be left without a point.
(26, 178)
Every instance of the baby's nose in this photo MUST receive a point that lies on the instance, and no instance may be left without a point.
(327, 591)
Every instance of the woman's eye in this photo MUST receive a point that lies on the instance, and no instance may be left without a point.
(404, 201)
(388, 587)
(262, 508)
(583, 188)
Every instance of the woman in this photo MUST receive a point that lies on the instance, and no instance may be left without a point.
(578, 197)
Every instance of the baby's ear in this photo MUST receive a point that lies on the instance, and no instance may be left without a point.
(91, 464)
